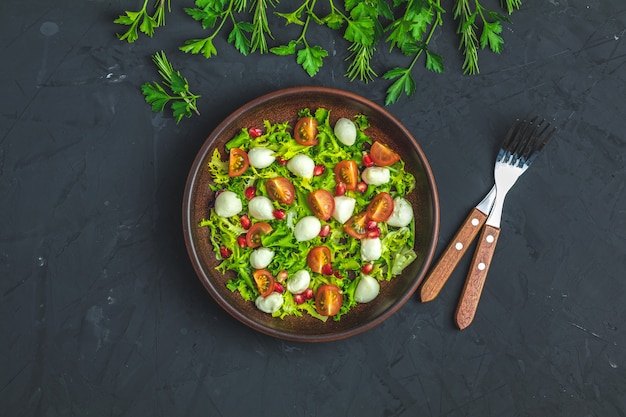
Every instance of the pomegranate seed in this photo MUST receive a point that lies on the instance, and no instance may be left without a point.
(327, 269)
(308, 293)
(225, 252)
(367, 160)
(282, 276)
(299, 298)
(241, 241)
(373, 233)
(255, 132)
(340, 189)
(279, 214)
(278, 287)
(325, 231)
(361, 187)
(245, 221)
(367, 268)
(337, 274)
(250, 192)
(281, 160)
(318, 170)
(371, 225)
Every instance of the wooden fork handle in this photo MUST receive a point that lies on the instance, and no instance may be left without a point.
(468, 303)
(452, 255)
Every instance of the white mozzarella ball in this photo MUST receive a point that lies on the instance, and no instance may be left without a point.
(402, 213)
(227, 204)
(260, 258)
(345, 130)
(307, 228)
(299, 282)
(371, 249)
(376, 175)
(261, 208)
(261, 157)
(367, 289)
(344, 207)
(269, 304)
(302, 166)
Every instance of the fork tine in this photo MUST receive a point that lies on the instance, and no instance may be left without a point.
(524, 141)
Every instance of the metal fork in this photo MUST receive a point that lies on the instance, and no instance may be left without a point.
(521, 146)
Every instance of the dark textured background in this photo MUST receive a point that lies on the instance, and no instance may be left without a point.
(100, 310)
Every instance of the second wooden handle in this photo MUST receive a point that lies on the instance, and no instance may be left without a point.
(476, 277)
(452, 255)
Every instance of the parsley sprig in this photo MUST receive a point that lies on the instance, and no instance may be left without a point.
(183, 102)
(142, 20)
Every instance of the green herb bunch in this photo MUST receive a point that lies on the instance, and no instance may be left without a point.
(404, 25)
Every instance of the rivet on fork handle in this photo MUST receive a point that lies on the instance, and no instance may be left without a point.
(476, 277)
(452, 255)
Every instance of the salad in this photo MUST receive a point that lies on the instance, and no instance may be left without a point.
(311, 218)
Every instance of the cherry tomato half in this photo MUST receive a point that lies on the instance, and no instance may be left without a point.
(305, 131)
(356, 226)
(328, 300)
(382, 155)
(347, 172)
(237, 162)
(280, 189)
(318, 257)
(264, 281)
(380, 208)
(256, 231)
(322, 204)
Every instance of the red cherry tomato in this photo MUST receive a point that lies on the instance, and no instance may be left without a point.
(237, 162)
(347, 172)
(280, 189)
(318, 257)
(253, 236)
(356, 226)
(322, 204)
(380, 208)
(305, 131)
(264, 281)
(328, 300)
(382, 155)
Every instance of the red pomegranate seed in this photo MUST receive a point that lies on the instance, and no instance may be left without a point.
(327, 269)
(250, 192)
(282, 276)
(337, 274)
(225, 252)
(367, 268)
(373, 233)
(361, 187)
(299, 298)
(371, 225)
(325, 231)
(308, 293)
(255, 132)
(318, 170)
(241, 241)
(340, 189)
(278, 287)
(281, 160)
(367, 160)
(279, 214)
(245, 221)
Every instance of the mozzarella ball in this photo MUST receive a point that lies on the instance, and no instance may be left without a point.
(299, 282)
(307, 228)
(227, 204)
(371, 249)
(367, 289)
(269, 304)
(345, 130)
(402, 213)
(261, 208)
(302, 166)
(260, 258)
(376, 175)
(261, 157)
(344, 207)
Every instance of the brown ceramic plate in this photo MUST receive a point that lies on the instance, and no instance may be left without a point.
(282, 106)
